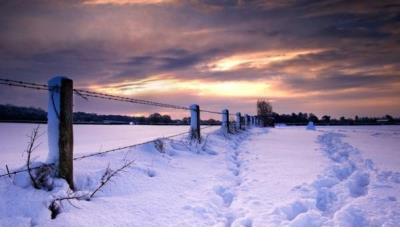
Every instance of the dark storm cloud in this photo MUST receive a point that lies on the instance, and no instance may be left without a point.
(357, 42)
(163, 61)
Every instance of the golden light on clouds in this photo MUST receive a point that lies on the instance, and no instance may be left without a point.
(169, 86)
(153, 84)
(228, 89)
(256, 60)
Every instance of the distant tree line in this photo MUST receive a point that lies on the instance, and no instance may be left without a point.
(31, 114)
(10, 112)
(270, 118)
(303, 118)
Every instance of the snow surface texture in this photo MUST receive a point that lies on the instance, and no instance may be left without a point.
(287, 176)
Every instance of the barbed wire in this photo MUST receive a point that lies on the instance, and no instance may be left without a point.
(92, 94)
(30, 86)
(104, 152)
(24, 83)
(214, 112)
(129, 146)
(86, 93)
(24, 170)
(134, 145)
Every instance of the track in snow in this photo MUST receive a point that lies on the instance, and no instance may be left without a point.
(342, 196)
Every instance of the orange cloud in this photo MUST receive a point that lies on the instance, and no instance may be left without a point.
(257, 59)
(167, 85)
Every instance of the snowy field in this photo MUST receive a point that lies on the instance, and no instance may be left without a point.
(87, 139)
(287, 176)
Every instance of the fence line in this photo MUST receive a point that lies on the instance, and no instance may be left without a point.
(86, 93)
(134, 145)
(9, 173)
(60, 130)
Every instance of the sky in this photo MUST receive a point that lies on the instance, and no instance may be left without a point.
(340, 58)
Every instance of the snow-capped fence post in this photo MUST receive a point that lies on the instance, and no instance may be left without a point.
(238, 121)
(225, 121)
(59, 127)
(195, 123)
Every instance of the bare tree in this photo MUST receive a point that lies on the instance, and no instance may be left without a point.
(31, 147)
(108, 174)
(56, 204)
(264, 107)
(264, 113)
(41, 175)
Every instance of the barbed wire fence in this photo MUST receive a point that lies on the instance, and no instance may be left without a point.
(57, 90)
(85, 94)
(9, 173)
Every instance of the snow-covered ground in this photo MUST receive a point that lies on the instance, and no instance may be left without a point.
(87, 139)
(286, 176)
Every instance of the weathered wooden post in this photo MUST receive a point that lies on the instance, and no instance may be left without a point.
(59, 127)
(195, 122)
(238, 121)
(225, 121)
(246, 120)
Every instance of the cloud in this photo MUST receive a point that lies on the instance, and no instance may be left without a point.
(161, 62)
(294, 51)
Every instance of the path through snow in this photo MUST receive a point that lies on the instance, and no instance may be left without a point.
(315, 179)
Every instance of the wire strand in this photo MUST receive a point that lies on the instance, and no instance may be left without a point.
(107, 151)
(134, 145)
(86, 93)
(24, 86)
(23, 83)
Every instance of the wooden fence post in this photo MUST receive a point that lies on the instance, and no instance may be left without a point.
(238, 121)
(195, 123)
(60, 128)
(225, 121)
